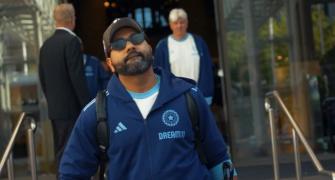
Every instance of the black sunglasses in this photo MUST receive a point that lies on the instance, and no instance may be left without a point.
(120, 44)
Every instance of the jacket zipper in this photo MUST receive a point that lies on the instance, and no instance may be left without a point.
(147, 139)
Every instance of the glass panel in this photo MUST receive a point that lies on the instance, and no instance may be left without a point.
(23, 26)
(247, 85)
(144, 17)
(263, 54)
(323, 16)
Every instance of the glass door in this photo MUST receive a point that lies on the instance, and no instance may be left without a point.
(267, 47)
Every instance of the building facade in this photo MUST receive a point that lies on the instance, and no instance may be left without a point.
(276, 45)
(257, 46)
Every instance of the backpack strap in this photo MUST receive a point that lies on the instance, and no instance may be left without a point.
(194, 116)
(102, 131)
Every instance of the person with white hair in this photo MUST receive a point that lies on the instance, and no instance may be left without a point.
(186, 54)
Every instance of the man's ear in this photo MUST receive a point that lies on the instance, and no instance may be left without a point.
(110, 65)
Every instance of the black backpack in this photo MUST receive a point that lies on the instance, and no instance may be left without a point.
(103, 132)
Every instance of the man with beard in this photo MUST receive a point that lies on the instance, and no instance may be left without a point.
(151, 134)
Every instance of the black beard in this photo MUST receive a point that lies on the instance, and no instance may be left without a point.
(136, 67)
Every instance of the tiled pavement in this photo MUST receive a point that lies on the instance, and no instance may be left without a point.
(252, 171)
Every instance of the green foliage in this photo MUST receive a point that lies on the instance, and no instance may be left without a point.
(325, 24)
(236, 47)
(236, 52)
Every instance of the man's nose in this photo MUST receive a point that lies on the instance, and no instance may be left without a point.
(129, 46)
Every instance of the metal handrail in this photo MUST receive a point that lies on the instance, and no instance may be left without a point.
(7, 156)
(295, 131)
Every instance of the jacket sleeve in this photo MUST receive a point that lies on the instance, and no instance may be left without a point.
(161, 56)
(206, 78)
(80, 158)
(212, 141)
(41, 73)
(74, 60)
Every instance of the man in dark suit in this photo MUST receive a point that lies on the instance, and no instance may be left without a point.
(62, 77)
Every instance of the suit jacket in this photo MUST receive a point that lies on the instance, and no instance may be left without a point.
(61, 74)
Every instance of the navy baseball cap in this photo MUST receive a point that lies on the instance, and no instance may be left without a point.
(114, 27)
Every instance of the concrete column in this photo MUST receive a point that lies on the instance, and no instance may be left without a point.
(297, 55)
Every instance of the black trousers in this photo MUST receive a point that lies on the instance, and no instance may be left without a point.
(61, 133)
(329, 121)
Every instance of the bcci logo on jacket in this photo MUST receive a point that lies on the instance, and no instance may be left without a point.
(170, 118)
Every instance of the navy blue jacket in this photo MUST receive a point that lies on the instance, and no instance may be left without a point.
(96, 76)
(158, 147)
(206, 78)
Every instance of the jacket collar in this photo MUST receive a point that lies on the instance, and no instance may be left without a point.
(67, 30)
(170, 87)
